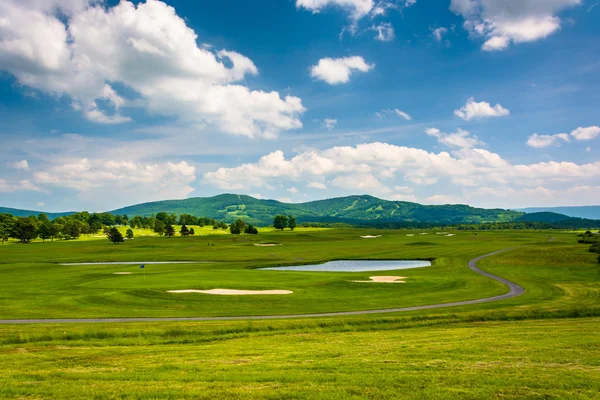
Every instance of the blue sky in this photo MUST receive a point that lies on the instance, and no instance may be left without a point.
(488, 103)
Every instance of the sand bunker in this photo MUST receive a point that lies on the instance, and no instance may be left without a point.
(451, 234)
(424, 233)
(385, 279)
(268, 244)
(232, 292)
(123, 273)
(370, 237)
(412, 234)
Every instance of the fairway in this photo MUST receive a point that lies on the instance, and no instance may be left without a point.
(536, 341)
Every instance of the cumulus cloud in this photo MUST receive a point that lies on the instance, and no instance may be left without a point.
(18, 186)
(330, 123)
(543, 141)
(355, 8)
(22, 164)
(388, 170)
(588, 133)
(317, 185)
(501, 22)
(385, 32)
(438, 33)
(100, 180)
(459, 139)
(483, 109)
(147, 47)
(338, 70)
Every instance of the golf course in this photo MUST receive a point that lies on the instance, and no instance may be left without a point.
(496, 314)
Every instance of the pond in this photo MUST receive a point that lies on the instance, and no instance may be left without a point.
(355, 266)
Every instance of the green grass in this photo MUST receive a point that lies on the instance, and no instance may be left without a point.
(543, 344)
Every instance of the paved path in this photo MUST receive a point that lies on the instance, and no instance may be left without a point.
(515, 290)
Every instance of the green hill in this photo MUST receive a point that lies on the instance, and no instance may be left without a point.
(351, 209)
(26, 213)
(589, 212)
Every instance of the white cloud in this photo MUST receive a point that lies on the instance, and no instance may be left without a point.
(502, 22)
(338, 70)
(387, 170)
(19, 186)
(402, 114)
(317, 185)
(356, 8)
(385, 32)
(293, 190)
(543, 141)
(474, 110)
(588, 149)
(438, 33)
(146, 47)
(588, 133)
(40, 204)
(459, 139)
(112, 183)
(22, 164)
(330, 123)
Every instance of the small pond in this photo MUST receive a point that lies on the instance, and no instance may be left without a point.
(355, 266)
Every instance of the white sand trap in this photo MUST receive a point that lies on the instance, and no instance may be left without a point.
(424, 233)
(370, 237)
(232, 292)
(451, 234)
(442, 233)
(412, 234)
(268, 244)
(123, 273)
(385, 279)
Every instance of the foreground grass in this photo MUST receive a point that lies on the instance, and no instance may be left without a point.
(428, 358)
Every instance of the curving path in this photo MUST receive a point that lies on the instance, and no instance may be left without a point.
(515, 290)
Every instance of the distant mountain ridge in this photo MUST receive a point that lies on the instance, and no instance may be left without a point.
(26, 213)
(357, 210)
(589, 212)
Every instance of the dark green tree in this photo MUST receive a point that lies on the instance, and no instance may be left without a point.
(114, 236)
(291, 222)
(280, 222)
(184, 231)
(251, 230)
(25, 229)
(192, 233)
(237, 227)
(159, 227)
(129, 234)
(169, 230)
(45, 230)
(7, 223)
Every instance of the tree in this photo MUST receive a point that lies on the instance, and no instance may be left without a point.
(7, 223)
(55, 230)
(45, 230)
(251, 230)
(119, 220)
(129, 234)
(169, 230)
(184, 231)
(237, 227)
(25, 229)
(192, 233)
(291, 222)
(95, 227)
(72, 229)
(159, 227)
(114, 236)
(280, 222)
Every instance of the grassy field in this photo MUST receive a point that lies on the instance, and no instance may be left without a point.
(543, 344)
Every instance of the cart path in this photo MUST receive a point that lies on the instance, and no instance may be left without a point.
(514, 291)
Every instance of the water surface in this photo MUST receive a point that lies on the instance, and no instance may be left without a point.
(355, 266)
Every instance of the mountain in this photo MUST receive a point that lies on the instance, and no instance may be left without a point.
(351, 209)
(589, 212)
(26, 213)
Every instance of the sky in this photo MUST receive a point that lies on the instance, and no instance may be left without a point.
(492, 103)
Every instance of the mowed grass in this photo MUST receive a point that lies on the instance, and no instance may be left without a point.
(543, 344)
(355, 358)
(33, 285)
